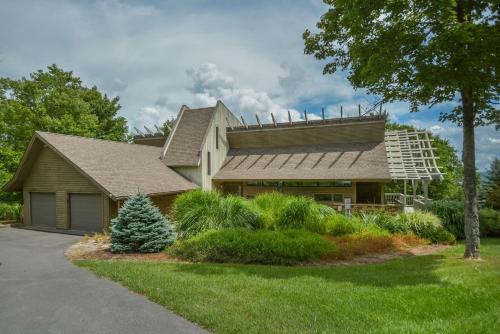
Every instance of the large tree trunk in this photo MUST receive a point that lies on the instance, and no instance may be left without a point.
(469, 159)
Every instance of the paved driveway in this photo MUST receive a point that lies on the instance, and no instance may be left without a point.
(42, 292)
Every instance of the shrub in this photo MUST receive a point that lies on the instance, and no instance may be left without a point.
(387, 222)
(339, 224)
(140, 227)
(426, 225)
(280, 211)
(11, 211)
(268, 205)
(300, 213)
(451, 214)
(489, 222)
(241, 245)
(197, 211)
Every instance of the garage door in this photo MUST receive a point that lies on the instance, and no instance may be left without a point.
(43, 209)
(86, 212)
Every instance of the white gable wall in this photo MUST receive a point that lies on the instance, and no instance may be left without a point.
(221, 118)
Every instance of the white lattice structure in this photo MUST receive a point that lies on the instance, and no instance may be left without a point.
(411, 156)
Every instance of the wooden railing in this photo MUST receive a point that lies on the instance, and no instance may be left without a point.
(418, 202)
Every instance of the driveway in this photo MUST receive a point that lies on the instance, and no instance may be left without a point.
(42, 292)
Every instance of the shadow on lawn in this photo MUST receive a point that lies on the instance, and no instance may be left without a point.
(404, 272)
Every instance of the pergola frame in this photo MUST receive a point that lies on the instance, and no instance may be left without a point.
(411, 157)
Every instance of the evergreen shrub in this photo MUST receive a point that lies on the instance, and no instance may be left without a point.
(140, 227)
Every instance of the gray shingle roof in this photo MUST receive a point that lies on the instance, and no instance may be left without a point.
(346, 161)
(120, 168)
(187, 137)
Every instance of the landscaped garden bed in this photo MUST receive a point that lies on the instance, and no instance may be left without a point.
(273, 229)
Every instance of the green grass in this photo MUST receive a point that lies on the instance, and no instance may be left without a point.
(438, 293)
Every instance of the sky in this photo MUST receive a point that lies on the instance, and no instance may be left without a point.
(158, 55)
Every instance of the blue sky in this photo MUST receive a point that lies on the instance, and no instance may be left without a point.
(158, 55)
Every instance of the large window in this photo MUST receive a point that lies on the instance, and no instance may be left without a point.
(336, 198)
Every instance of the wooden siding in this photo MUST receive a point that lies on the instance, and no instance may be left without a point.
(217, 155)
(193, 174)
(163, 202)
(151, 141)
(51, 173)
(363, 132)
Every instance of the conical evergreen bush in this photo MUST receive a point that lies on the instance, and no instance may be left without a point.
(140, 227)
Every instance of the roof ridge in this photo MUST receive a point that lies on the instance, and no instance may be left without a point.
(95, 139)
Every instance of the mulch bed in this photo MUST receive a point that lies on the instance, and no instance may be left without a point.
(91, 249)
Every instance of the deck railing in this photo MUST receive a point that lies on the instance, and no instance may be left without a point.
(418, 202)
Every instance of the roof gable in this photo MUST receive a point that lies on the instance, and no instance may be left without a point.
(118, 169)
(187, 137)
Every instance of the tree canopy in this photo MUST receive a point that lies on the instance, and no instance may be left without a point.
(52, 100)
(167, 126)
(419, 51)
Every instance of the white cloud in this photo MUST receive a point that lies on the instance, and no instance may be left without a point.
(210, 84)
(494, 140)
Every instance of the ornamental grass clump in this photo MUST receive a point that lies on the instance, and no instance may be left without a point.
(451, 214)
(386, 222)
(140, 227)
(300, 213)
(197, 211)
(426, 225)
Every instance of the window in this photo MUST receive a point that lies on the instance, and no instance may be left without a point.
(342, 184)
(338, 198)
(217, 137)
(209, 164)
(323, 197)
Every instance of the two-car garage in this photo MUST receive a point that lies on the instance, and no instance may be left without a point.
(75, 184)
(84, 211)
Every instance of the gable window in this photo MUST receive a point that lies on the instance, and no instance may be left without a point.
(217, 137)
(209, 164)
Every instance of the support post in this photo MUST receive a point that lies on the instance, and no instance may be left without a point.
(274, 120)
(290, 118)
(258, 120)
(341, 112)
(425, 185)
(323, 114)
(404, 193)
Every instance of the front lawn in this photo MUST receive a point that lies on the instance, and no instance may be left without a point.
(429, 294)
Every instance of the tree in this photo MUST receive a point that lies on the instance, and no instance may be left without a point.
(492, 185)
(450, 164)
(423, 52)
(55, 101)
(167, 126)
(140, 227)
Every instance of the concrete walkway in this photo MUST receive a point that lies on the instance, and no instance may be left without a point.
(42, 292)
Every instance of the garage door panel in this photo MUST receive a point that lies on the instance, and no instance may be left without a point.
(86, 212)
(43, 209)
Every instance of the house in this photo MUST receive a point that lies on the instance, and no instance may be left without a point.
(78, 184)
